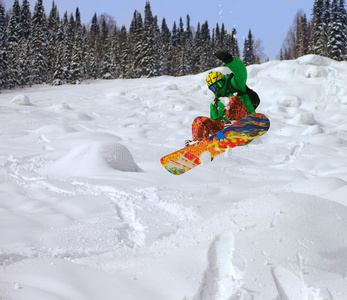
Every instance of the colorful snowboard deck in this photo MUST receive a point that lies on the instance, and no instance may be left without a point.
(238, 134)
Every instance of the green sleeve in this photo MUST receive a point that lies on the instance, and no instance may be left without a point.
(238, 81)
(240, 74)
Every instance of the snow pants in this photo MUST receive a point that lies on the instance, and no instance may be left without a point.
(203, 127)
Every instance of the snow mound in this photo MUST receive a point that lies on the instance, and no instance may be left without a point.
(303, 118)
(172, 87)
(289, 101)
(194, 90)
(21, 100)
(54, 129)
(313, 130)
(60, 107)
(317, 71)
(314, 60)
(82, 117)
(92, 159)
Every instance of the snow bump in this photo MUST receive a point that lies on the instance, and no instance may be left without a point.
(21, 100)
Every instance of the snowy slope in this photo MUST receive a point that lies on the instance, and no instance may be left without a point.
(87, 211)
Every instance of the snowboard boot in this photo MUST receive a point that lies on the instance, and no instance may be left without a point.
(187, 143)
(229, 123)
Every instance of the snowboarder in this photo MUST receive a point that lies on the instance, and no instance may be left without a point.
(224, 86)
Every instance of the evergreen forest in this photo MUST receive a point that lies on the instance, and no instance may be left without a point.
(37, 48)
(325, 34)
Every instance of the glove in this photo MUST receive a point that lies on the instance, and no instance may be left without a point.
(224, 56)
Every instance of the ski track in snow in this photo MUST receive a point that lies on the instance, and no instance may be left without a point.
(87, 211)
(221, 279)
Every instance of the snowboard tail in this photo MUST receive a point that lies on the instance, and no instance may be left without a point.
(239, 134)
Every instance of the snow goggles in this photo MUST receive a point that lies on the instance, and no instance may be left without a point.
(217, 86)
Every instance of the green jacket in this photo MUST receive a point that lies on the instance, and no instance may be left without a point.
(238, 81)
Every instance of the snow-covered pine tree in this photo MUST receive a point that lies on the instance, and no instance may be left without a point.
(114, 53)
(234, 45)
(209, 47)
(53, 20)
(39, 68)
(64, 45)
(53, 23)
(343, 22)
(25, 45)
(188, 45)
(26, 24)
(57, 55)
(124, 52)
(218, 38)
(207, 61)
(175, 49)
(318, 38)
(24, 63)
(147, 60)
(69, 42)
(14, 29)
(337, 37)
(224, 39)
(165, 49)
(156, 46)
(77, 69)
(2, 23)
(185, 55)
(3, 49)
(213, 61)
(249, 56)
(197, 50)
(94, 45)
(135, 38)
(13, 46)
(325, 28)
(179, 47)
(105, 53)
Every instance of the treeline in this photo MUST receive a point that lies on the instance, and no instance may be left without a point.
(35, 48)
(325, 34)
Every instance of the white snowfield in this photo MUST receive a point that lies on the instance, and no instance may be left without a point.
(88, 213)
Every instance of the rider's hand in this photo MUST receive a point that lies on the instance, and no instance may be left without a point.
(224, 56)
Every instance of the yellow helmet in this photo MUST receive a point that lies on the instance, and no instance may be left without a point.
(215, 81)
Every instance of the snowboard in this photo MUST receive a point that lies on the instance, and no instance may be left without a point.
(238, 134)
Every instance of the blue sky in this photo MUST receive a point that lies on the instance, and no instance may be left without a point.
(269, 20)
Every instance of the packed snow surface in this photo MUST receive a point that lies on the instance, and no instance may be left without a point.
(87, 212)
